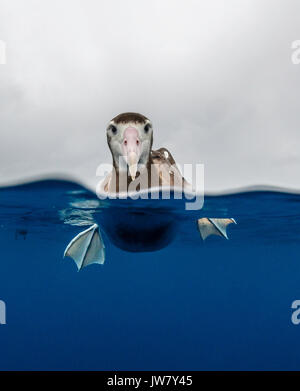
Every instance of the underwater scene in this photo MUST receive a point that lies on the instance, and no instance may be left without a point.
(216, 304)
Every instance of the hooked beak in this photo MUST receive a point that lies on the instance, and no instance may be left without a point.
(132, 160)
(131, 150)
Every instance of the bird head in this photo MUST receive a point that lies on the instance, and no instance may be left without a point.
(130, 137)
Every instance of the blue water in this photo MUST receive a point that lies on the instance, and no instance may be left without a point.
(214, 305)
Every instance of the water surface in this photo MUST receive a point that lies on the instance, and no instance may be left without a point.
(193, 305)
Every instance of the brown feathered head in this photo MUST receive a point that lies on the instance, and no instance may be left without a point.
(130, 137)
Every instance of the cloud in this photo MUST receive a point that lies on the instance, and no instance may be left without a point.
(215, 77)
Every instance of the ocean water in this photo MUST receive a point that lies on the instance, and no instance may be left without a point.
(193, 305)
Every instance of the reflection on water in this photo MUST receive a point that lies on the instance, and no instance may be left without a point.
(80, 211)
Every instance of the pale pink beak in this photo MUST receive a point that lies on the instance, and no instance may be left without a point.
(131, 149)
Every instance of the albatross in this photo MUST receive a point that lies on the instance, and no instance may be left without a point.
(136, 167)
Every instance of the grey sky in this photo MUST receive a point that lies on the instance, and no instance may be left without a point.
(215, 77)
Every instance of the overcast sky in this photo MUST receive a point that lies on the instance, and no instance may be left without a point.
(214, 76)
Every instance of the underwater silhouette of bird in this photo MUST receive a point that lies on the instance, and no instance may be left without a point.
(136, 167)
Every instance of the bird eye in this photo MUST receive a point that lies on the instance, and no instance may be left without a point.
(113, 129)
(146, 128)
